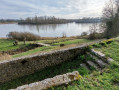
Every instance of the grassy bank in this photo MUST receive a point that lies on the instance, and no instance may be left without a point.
(107, 79)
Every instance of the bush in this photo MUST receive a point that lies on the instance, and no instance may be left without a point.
(92, 36)
(93, 31)
(96, 35)
(22, 35)
(84, 33)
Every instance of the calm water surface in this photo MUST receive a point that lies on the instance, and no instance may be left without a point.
(51, 30)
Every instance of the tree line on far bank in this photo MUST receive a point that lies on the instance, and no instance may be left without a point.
(43, 20)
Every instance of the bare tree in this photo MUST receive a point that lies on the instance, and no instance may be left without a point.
(93, 31)
(110, 16)
(109, 10)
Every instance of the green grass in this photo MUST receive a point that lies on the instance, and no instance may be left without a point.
(112, 50)
(76, 41)
(49, 72)
(6, 45)
(34, 51)
(54, 41)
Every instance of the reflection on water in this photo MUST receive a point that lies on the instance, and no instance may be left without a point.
(49, 30)
(43, 27)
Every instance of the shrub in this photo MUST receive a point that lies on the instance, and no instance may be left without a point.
(22, 35)
(93, 31)
(84, 33)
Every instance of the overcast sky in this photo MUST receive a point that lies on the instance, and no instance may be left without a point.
(60, 8)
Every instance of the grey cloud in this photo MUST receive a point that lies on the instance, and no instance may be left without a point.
(59, 8)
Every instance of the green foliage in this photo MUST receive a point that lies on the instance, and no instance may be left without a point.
(97, 45)
(90, 47)
(82, 57)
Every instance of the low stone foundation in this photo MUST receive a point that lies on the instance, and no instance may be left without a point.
(50, 82)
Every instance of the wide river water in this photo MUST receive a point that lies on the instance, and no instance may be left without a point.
(51, 30)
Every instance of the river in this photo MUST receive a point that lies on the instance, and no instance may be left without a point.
(50, 30)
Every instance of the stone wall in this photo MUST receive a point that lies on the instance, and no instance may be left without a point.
(12, 69)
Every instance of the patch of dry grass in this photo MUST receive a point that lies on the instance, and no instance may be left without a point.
(5, 56)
